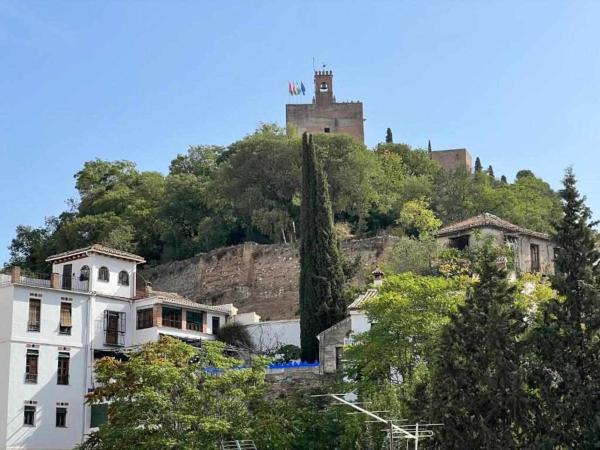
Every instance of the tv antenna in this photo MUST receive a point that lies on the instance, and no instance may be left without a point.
(395, 433)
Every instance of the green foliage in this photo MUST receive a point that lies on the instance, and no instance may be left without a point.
(215, 196)
(412, 254)
(417, 219)
(322, 302)
(564, 367)
(163, 397)
(477, 385)
(235, 334)
(407, 316)
(389, 139)
(286, 353)
(478, 166)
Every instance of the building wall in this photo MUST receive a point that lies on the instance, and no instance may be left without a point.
(346, 118)
(523, 257)
(330, 341)
(270, 335)
(95, 261)
(451, 160)
(46, 392)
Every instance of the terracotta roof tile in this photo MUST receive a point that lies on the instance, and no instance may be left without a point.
(362, 299)
(97, 248)
(488, 220)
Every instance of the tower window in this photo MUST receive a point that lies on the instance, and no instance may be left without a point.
(327, 130)
(323, 87)
(103, 274)
(85, 273)
(123, 278)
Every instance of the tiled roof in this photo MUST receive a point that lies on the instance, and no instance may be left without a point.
(362, 299)
(98, 248)
(488, 220)
(182, 301)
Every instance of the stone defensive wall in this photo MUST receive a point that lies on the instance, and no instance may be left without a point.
(254, 277)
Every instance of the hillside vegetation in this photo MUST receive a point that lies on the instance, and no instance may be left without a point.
(214, 196)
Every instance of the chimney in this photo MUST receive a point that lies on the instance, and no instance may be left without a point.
(378, 276)
(15, 274)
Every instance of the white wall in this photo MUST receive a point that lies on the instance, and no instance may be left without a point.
(115, 265)
(45, 435)
(46, 391)
(101, 304)
(269, 335)
(359, 322)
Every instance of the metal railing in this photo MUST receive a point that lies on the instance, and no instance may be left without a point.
(45, 280)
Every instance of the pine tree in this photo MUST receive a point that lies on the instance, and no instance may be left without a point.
(565, 345)
(321, 275)
(503, 179)
(490, 171)
(477, 386)
(429, 148)
(478, 166)
(389, 139)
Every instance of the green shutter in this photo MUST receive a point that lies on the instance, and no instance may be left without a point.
(99, 415)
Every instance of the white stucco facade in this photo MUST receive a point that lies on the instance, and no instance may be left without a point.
(39, 329)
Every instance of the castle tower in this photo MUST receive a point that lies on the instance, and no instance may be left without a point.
(325, 114)
(324, 87)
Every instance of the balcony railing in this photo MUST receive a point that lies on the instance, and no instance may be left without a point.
(193, 326)
(54, 281)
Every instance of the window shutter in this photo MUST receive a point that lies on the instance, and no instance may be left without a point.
(105, 320)
(122, 322)
(65, 314)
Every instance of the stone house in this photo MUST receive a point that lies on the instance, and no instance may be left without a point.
(333, 339)
(533, 250)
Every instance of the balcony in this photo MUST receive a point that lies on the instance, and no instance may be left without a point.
(54, 281)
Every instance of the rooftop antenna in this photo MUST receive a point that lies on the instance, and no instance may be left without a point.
(314, 70)
(395, 433)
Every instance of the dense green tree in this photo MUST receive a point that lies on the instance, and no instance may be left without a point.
(389, 139)
(565, 345)
(321, 276)
(490, 171)
(477, 387)
(407, 316)
(478, 166)
(170, 395)
(503, 179)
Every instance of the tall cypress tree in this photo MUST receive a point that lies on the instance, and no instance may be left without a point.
(478, 166)
(490, 171)
(477, 388)
(565, 345)
(389, 139)
(321, 275)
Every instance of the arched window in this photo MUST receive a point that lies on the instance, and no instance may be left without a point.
(103, 274)
(123, 278)
(323, 87)
(85, 273)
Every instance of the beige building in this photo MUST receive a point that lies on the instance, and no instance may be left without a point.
(534, 251)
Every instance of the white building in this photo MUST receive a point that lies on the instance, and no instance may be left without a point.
(52, 329)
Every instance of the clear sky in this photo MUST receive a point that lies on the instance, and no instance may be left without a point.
(517, 83)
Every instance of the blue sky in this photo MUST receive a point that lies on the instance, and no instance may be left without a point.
(517, 83)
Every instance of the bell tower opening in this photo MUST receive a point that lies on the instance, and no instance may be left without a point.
(323, 87)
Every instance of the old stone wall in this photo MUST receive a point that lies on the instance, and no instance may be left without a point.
(346, 118)
(285, 382)
(452, 160)
(261, 278)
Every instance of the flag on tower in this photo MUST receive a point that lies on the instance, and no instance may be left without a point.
(290, 90)
(303, 88)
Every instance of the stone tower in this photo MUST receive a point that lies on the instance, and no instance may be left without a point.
(324, 114)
